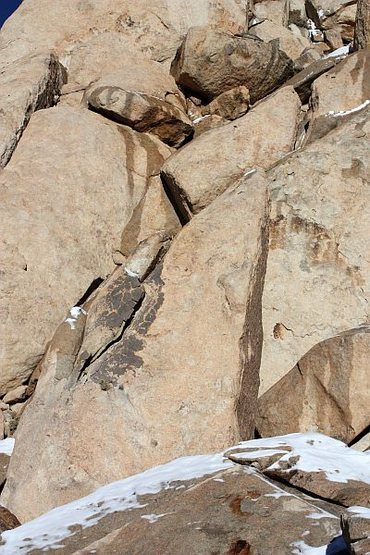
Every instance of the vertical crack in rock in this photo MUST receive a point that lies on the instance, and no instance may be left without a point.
(177, 198)
(251, 343)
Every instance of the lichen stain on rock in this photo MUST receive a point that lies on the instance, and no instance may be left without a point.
(124, 359)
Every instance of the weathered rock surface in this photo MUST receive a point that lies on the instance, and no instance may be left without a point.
(340, 92)
(278, 12)
(302, 81)
(327, 391)
(293, 45)
(317, 279)
(156, 31)
(231, 104)
(70, 188)
(356, 530)
(153, 214)
(204, 394)
(31, 83)
(143, 113)
(210, 62)
(209, 164)
(8, 521)
(362, 25)
(311, 462)
(201, 503)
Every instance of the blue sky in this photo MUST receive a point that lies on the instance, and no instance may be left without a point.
(7, 7)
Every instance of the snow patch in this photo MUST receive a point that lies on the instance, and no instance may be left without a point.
(314, 452)
(364, 512)
(250, 172)
(131, 273)
(347, 112)
(75, 313)
(50, 529)
(301, 548)
(321, 514)
(342, 51)
(7, 446)
(201, 118)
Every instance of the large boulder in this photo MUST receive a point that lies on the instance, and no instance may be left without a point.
(156, 29)
(339, 93)
(66, 195)
(29, 84)
(206, 167)
(326, 391)
(317, 279)
(362, 25)
(137, 394)
(211, 61)
(202, 504)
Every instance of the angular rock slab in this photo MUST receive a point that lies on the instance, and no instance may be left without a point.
(210, 62)
(327, 391)
(31, 83)
(66, 195)
(201, 501)
(317, 279)
(313, 462)
(142, 112)
(293, 45)
(206, 167)
(149, 397)
(339, 93)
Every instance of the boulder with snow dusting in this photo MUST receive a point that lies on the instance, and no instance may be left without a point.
(210, 62)
(340, 92)
(313, 462)
(204, 502)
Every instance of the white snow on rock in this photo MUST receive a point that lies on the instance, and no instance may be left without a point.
(347, 112)
(363, 512)
(51, 528)
(342, 51)
(301, 548)
(7, 445)
(75, 313)
(315, 452)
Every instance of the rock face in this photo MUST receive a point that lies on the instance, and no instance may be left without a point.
(293, 45)
(209, 164)
(210, 62)
(338, 93)
(89, 178)
(362, 28)
(31, 83)
(156, 31)
(312, 462)
(208, 393)
(326, 391)
(317, 272)
(204, 502)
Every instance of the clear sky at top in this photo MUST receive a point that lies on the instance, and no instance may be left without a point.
(7, 7)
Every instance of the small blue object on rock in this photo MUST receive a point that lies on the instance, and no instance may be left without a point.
(337, 546)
